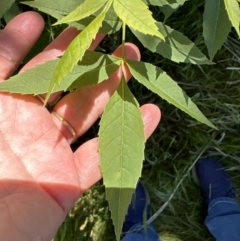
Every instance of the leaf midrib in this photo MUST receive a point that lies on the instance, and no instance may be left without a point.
(216, 21)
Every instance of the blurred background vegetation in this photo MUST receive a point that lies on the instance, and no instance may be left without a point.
(177, 141)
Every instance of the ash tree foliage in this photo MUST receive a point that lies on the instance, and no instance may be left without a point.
(121, 135)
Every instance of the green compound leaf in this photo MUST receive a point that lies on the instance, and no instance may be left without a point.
(160, 83)
(5, 5)
(176, 46)
(121, 148)
(93, 69)
(76, 50)
(84, 10)
(136, 15)
(232, 7)
(216, 25)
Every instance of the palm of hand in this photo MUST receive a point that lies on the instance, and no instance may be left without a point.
(41, 153)
(38, 173)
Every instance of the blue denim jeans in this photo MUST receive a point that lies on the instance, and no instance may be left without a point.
(223, 221)
(144, 234)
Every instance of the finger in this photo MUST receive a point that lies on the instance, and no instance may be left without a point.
(56, 49)
(87, 156)
(81, 108)
(17, 39)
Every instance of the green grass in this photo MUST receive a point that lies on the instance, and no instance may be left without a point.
(177, 141)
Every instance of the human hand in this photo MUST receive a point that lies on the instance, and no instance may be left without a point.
(41, 178)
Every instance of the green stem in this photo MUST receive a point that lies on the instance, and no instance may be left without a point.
(123, 41)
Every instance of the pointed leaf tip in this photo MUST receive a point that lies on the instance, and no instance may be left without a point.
(216, 25)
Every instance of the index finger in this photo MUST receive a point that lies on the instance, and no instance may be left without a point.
(16, 39)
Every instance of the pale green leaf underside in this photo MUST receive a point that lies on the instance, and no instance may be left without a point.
(176, 46)
(216, 25)
(232, 7)
(82, 11)
(60, 8)
(75, 52)
(136, 15)
(160, 83)
(93, 69)
(5, 5)
(121, 148)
